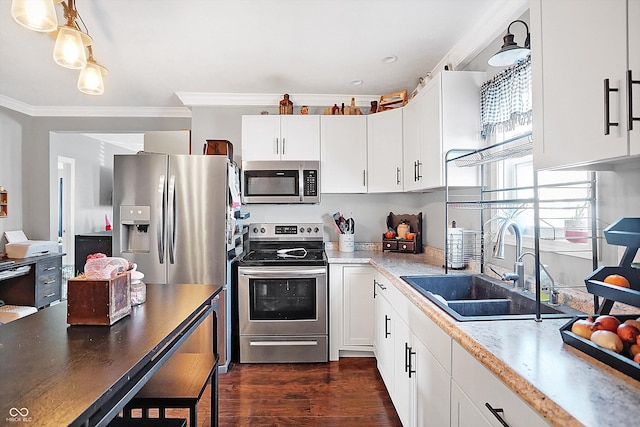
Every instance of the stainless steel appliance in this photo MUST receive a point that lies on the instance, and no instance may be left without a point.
(281, 182)
(282, 295)
(172, 217)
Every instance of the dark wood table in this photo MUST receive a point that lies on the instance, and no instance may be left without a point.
(54, 374)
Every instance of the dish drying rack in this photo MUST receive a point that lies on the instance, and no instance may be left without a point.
(489, 199)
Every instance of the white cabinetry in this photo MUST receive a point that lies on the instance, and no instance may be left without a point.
(384, 133)
(343, 154)
(475, 387)
(417, 375)
(447, 116)
(351, 309)
(282, 137)
(570, 94)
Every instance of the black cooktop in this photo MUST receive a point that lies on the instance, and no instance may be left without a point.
(289, 254)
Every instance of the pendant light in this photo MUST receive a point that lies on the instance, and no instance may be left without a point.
(69, 49)
(511, 53)
(90, 80)
(36, 15)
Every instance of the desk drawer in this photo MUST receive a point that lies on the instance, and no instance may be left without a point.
(48, 281)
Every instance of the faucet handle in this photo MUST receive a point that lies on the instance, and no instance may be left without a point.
(506, 276)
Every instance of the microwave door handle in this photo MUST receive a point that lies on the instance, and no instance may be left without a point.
(301, 184)
(162, 190)
(172, 218)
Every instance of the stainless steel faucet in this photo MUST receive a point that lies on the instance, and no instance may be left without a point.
(498, 252)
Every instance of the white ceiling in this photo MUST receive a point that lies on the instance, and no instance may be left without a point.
(157, 48)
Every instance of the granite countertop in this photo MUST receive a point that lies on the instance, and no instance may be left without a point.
(564, 385)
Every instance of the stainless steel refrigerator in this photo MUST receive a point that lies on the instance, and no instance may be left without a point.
(170, 218)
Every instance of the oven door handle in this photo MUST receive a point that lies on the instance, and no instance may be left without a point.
(280, 273)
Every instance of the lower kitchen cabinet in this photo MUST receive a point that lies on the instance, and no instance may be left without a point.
(474, 387)
(350, 309)
(416, 381)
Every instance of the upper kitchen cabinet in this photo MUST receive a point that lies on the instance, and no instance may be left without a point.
(384, 151)
(344, 154)
(584, 98)
(443, 116)
(282, 137)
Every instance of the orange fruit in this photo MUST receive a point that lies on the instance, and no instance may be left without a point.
(617, 280)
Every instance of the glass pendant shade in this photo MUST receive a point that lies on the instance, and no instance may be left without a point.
(36, 15)
(90, 80)
(69, 49)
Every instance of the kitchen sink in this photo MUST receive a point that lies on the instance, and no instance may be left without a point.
(469, 297)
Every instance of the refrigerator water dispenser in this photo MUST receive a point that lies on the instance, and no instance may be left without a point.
(135, 222)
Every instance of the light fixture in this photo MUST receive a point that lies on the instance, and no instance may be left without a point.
(357, 82)
(36, 15)
(90, 80)
(389, 59)
(69, 50)
(511, 53)
(71, 41)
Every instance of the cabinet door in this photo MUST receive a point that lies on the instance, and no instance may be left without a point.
(384, 133)
(357, 307)
(343, 154)
(432, 385)
(402, 396)
(261, 138)
(633, 22)
(572, 85)
(412, 142)
(300, 137)
(463, 411)
(384, 340)
(433, 160)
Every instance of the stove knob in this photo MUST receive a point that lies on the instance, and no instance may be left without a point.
(262, 230)
(315, 230)
(302, 229)
(309, 230)
(255, 229)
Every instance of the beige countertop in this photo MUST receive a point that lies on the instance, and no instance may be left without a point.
(564, 385)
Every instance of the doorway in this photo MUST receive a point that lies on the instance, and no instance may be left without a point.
(66, 209)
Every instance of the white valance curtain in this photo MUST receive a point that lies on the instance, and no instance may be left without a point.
(505, 100)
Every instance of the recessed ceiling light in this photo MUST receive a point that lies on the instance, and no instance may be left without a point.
(390, 59)
(357, 82)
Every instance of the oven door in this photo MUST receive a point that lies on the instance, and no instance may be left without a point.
(281, 301)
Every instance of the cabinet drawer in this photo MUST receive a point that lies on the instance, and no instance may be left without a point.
(390, 245)
(48, 281)
(49, 266)
(482, 387)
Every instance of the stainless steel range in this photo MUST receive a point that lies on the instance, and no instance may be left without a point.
(282, 295)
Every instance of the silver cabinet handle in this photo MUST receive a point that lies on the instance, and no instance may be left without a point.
(50, 268)
(283, 141)
(49, 295)
(48, 282)
(364, 178)
(398, 176)
(277, 145)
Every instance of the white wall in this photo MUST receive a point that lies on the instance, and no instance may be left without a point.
(11, 177)
(93, 177)
(38, 190)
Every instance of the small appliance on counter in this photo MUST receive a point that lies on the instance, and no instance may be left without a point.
(404, 233)
(19, 246)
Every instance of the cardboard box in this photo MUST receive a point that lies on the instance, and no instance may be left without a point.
(98, 302)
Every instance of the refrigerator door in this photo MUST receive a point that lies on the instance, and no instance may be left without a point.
(139, 203)
(196, 219)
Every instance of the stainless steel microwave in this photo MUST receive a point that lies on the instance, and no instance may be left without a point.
(280, 181)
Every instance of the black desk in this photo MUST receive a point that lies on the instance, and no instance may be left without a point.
(83, 375)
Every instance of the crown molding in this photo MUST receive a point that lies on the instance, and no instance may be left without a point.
(492, 25)
(204, 99)
(36, 111)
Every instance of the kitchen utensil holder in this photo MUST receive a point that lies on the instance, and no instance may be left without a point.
(346, 242)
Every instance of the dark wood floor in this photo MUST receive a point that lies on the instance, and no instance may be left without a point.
(345, 393)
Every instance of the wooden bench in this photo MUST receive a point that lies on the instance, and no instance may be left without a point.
(179, 384)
